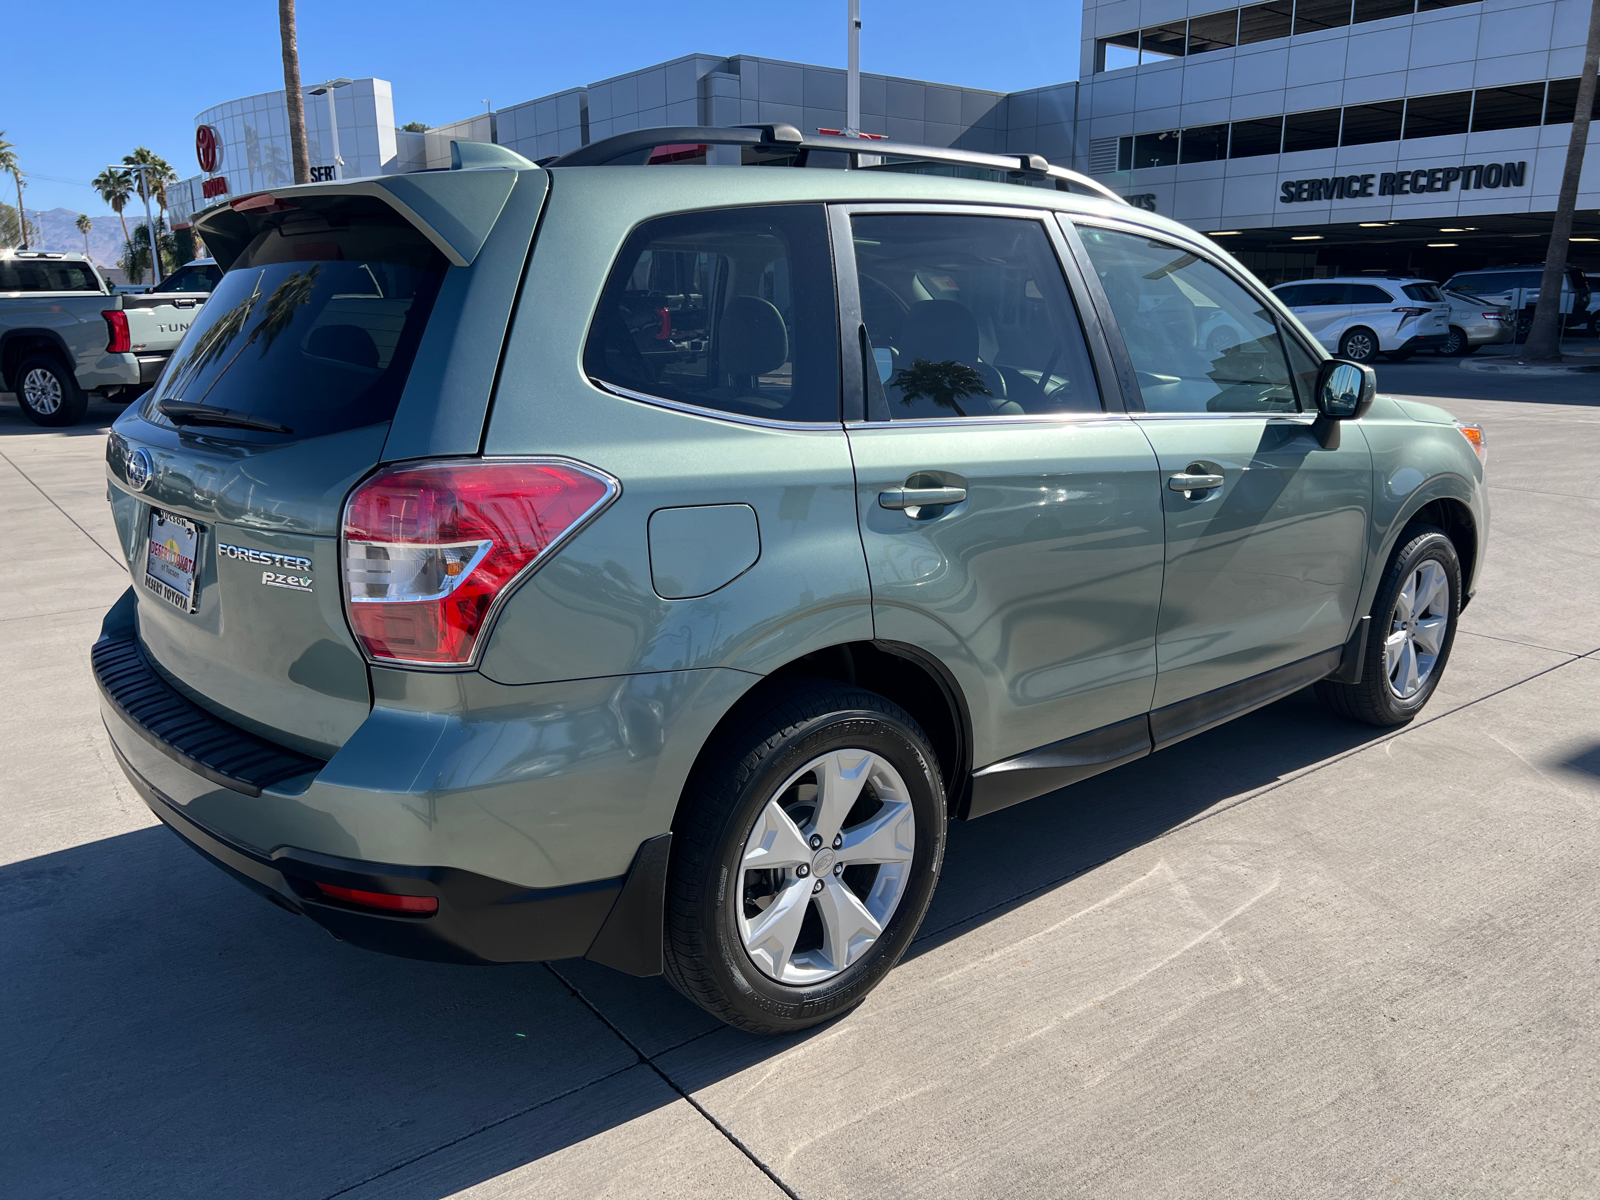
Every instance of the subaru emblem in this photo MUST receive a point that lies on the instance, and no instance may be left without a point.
(137, 466)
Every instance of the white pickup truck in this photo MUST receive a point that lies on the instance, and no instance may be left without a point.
(64, 336)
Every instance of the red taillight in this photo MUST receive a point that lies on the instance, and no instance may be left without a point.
(1414, 312)
(118, 341)
(428, 551)
(386, 901)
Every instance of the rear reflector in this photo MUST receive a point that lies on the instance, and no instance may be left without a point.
(117, 339)
(430, 551)
(385, 901)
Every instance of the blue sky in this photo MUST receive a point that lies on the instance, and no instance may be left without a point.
(86, 84)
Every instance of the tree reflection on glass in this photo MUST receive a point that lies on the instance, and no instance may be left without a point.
(945, 383)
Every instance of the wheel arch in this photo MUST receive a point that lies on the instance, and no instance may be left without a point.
(1455, 518)
(16, 345)
(911, 677)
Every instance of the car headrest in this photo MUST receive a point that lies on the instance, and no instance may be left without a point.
(753, 338)
(939, 331)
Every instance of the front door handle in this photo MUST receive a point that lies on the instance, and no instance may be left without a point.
(906, 497)
(1185, 482)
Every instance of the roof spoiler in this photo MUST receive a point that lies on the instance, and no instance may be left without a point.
(455, 209)
(633, 148)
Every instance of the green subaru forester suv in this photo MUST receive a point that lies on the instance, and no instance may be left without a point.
(644, 564)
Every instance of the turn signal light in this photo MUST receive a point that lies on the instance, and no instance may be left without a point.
(431, 551)
(118, 341)
(420, 906)
(1474, 434)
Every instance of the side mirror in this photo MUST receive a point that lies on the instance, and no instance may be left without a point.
(1345, 390)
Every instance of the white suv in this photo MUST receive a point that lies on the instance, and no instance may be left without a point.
(1359, 317)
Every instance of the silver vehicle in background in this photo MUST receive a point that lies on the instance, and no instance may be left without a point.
(1475, 322)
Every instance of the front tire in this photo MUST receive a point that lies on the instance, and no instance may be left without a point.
(1359, 345)
(805, 857)
(1413, 628)
(48, 392)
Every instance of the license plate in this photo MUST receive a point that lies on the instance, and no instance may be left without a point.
(172, 559)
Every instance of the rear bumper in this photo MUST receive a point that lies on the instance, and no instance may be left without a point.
(506, 836)
(1491, 335)
(1425, 341)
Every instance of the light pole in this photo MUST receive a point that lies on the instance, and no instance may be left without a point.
(149, 225)
(852, 75)
(333, 119)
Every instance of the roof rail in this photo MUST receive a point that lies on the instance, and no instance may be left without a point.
(633, 148)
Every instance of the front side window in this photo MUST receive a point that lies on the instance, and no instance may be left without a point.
(1198, 340)
(731, 310)
(969, 316)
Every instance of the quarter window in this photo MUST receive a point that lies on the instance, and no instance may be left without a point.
(729, 310)
(969, 316)
(1199, 341)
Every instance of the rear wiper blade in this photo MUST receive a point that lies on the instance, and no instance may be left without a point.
(180, 412)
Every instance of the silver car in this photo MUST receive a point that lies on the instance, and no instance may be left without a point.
(1475, 322)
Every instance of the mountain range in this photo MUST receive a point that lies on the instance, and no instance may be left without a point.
(58, 231)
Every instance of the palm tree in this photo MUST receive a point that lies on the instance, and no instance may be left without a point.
(84, 225)
(292, 95)
(8, 162)
(1544, 338)
(152, 185)
(115, 187)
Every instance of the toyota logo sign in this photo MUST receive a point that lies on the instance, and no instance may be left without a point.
(207, 148)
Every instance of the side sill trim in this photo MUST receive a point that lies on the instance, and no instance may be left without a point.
(1068, 761)
(1197, 714)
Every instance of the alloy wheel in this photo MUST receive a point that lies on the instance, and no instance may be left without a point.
(825, 866)
(41, 391)
(1455, 344)
(1417, 627)
(1358, 347)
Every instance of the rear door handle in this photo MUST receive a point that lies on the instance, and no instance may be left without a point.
(904, 497)
(1185, 482)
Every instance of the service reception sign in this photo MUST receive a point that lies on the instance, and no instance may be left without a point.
(1404, 183)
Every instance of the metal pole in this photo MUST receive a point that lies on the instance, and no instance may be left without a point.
(852, 77)
(333, 123)
(149, 228)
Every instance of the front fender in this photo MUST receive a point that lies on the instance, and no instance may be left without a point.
(1419, 458)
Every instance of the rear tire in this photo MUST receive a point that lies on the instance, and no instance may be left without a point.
(48, 393)
(1456, 345)
(780, 948)
(1359, 345)
(1415, 614)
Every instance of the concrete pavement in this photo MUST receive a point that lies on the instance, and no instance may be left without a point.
(1294, 956)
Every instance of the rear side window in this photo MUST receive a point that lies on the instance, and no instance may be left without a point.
(1471, 283)
(1366, 293)
(731, 310)
(17, 275)
(316, 324)
(190, 279)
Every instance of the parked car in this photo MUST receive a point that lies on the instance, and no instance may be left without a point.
(1517, 287)
(639, 564)
(197, 278)
(1475, 322)
(64, 336)
(1360, 317)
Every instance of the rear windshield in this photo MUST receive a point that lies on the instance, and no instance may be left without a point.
(19, 275)
(314, 327)
(1423, 291)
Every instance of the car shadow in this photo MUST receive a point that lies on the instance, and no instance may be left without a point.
(169, 1029)
(97, 419)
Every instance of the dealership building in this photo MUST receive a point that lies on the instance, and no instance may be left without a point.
(1310, 137)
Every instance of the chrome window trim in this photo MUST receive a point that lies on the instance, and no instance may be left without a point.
(992, 419)
(716, 414)
(1291, 418)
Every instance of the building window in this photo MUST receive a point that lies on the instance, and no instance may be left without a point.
(1161, 42)
(1377, 10)
(1563, 103)
(1312, 15)
(1264, 22)
(1432, 116)
(1251, 139)
(1204, 143)
(1428, 5)
(1116, 52)
(1214, 31)
(1507, 107)
(1150, 150)
(1368, 123)
(1311, 130)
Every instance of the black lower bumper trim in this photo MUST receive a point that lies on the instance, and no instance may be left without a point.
(480, 920)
